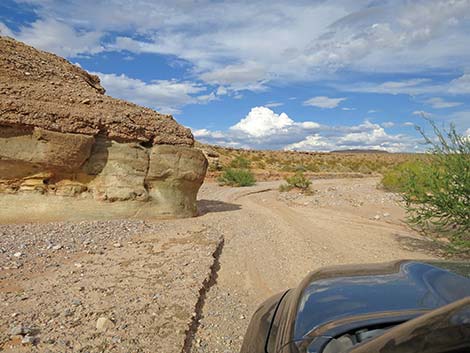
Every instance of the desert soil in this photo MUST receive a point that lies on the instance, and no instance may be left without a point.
(187, 285)
(102, 286)
(272, 240)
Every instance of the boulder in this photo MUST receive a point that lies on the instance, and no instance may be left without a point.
(61, 137)
(174, 177)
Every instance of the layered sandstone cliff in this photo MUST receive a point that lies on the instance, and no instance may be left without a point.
(62, 137)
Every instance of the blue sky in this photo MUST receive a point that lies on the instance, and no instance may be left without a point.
(305, 75)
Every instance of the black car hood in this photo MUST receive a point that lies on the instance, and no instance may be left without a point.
(406, 288)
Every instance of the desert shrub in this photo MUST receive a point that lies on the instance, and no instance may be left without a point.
(287, 168)
(313, 167)
(436, 191)
(355, 166)
(237, 177)
(364, 169)
(331, 164)
(270, 160)
(285, 187)
(213, 167)
(396, 179)
(261, 165)
(240, 162)
(340, 168)
(372, 166)
(299, 181)
(300, 168)
(222, 151)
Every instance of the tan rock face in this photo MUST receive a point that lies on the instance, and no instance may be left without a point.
(61, 137)
(164, 179)
(174, 177)
(42, 147)
(118, 170)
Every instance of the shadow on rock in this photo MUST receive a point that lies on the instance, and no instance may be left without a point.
(209, 206)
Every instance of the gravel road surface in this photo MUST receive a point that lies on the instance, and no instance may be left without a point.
(272, 240)
(187, 285)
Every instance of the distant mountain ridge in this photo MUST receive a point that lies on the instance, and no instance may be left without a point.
(358, 150)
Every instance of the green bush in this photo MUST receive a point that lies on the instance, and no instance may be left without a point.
(299, 181)
(285, 187)
(396, 179)
(240, 163)
(300, 168)
(436, 191)
(237, 177)
(313, 167)
(215, 166)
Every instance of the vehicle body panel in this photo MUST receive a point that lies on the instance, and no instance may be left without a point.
(260, 325)
(337, 299)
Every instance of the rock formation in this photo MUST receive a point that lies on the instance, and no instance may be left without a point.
(62, 137)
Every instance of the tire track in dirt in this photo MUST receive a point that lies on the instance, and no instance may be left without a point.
(271, 245)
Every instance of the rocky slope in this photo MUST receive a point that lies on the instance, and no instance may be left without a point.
(60, 135)
(39, 89)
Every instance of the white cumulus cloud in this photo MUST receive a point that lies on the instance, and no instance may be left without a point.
(166, 96)
(262, 121)
(312, 142)
(363, 136)
(205, 133)
(371, 135)
(264, 129)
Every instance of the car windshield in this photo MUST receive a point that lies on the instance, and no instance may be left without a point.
(446, 329)
(460, 268)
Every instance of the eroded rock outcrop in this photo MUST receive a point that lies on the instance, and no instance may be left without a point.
(61, 136)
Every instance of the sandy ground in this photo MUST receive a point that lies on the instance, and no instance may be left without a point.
(188, 285)
(273, 240)
(141, 281)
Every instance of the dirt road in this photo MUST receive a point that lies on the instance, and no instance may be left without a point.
(187, 285)
(273, 240)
